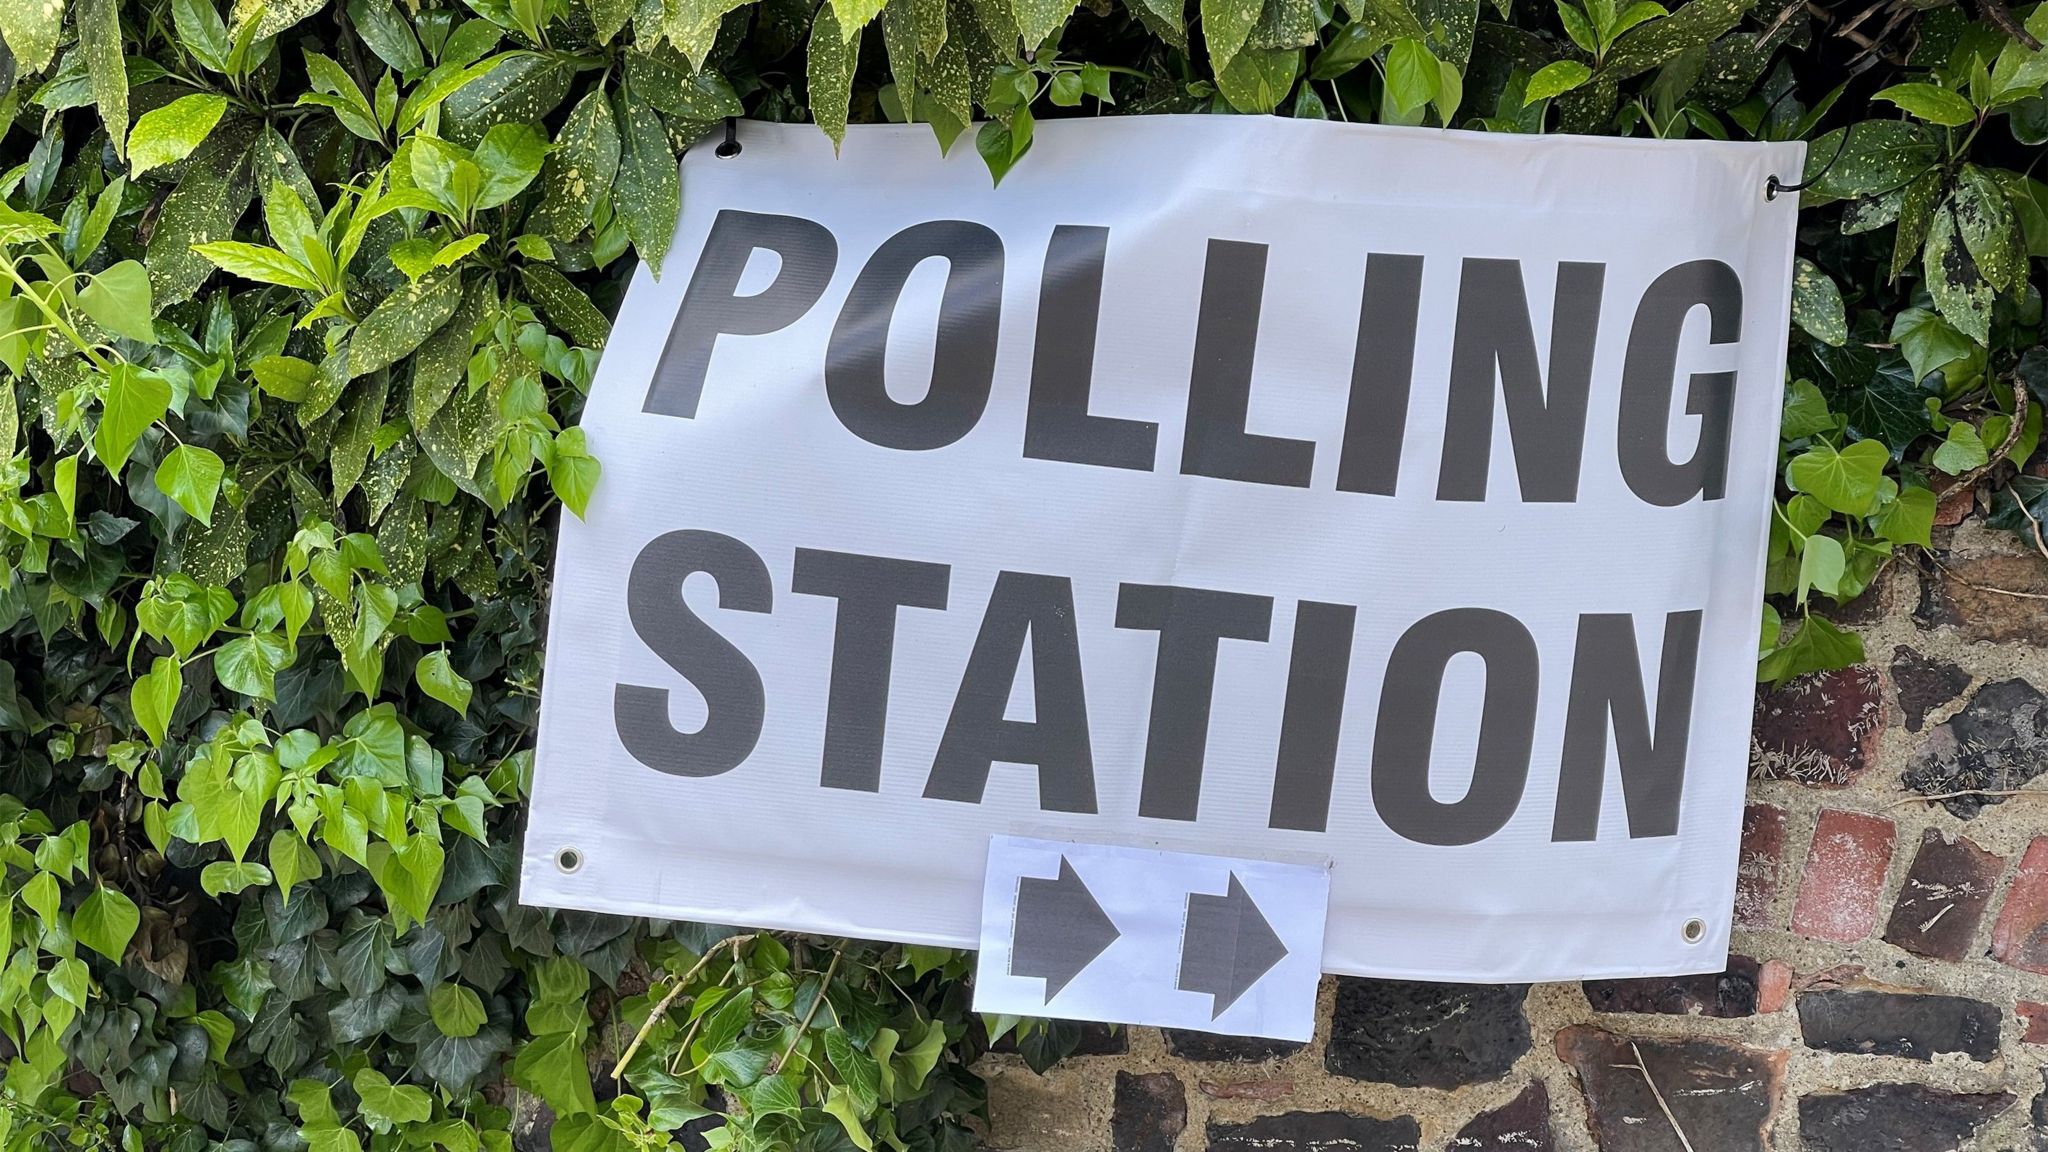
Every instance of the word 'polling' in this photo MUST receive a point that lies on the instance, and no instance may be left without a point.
(1494, 360)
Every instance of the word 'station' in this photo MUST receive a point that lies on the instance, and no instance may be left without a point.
(1353, 510)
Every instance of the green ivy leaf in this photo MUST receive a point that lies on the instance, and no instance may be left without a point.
(1845, 481)
(291, 861)
(1927, 341)
(857, 1070)
(43, 896)
(117, 299)
(1004, 141)
(191, 475)
(1908, 518)
(1806, 412)
(250, 664)
(437, 678)
(155, 696)
(71, 981)
(1413, 76)
(105, 922)
(1821, 563)
(457, 1011)
(1818, 646)
(408, 876)
(134, 400)
(840, 1106)
(553, 1067)
(387, 1106)
(1962, 450)
(226, 876)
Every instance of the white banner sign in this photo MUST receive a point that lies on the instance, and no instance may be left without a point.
(1385, 500)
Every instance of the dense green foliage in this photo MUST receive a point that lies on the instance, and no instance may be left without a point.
(298, 302)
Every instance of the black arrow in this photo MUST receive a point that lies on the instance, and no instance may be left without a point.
(1058, 930)
(1226, 946)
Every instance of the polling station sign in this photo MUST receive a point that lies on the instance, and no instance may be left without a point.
(1385, 501)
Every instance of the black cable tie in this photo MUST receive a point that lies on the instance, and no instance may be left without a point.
(731, 147)
(1773, 186)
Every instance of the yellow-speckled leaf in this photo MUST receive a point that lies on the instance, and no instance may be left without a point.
(32, 28)
(832, 60)
(402, 320)
(274, 16)
(853, 15)
(1038, 19)
(362, 410)
(648, 193)
(1227, 23)
(99, 40)
(215, 189)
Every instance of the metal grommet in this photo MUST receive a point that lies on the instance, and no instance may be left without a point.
(1695, 930)
(731, 147)
(568, 859)
(1772, 188)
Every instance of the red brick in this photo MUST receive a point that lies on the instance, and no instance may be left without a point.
(1757, 868)
(1844, 877)
(2021, 935)
(1975, 597)
(1820, 729)
(1943, 901)
(2034, 1022)
(1773, 986)
(1721, 1095)
(1954, 507)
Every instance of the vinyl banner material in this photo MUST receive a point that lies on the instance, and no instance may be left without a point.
(1386, 500)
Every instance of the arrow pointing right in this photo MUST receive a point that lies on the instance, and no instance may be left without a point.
(1058, 930)
(1226, 946)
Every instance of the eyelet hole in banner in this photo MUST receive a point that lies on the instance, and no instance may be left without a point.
(568, 859)
(1695, 930)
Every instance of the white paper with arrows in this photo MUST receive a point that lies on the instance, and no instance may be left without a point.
(1136, 936)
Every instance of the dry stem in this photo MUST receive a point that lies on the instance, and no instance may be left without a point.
(661, 1009)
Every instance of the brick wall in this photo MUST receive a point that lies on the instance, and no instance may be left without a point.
(1888, 991)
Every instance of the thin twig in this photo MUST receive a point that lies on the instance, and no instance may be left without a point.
(2015, 593)
(1996, 12)
(1933, 796)
(2033, 523)
(660, 1009)
(1856, 21)
(805, 1024)
(1658, 1097)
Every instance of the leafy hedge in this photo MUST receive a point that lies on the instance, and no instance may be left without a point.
(298, 304)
